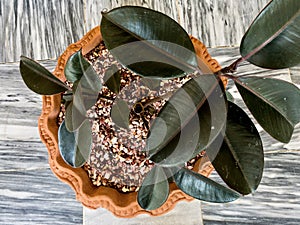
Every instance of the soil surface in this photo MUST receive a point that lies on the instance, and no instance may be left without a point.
(117, 159)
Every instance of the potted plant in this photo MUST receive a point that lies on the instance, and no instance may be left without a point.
(91, 112)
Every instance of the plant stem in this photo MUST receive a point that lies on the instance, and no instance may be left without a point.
(232, 68)
(139, 106)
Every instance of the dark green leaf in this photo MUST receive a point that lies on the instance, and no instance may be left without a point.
(75, 147)
(148, 42)
(39, 79)
(188, 142)
(154, 190)
(272, 41)
(85, 90)
(73, 117)
(274, 103)
(67, 103)
(120, 113)
(203, 188)
(112, 79)
(240, 160)
(76, 66)
(152, 84)
(192, 118)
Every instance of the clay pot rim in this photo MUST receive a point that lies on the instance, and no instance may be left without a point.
(120, 204)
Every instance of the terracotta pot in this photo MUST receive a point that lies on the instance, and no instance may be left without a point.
(120, 204)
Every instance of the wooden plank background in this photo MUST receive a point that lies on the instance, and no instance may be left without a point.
(42, 29)
(31, 194)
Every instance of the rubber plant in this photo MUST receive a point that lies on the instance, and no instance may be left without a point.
(198, 117)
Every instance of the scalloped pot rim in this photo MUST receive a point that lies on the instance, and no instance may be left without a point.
(120, 204)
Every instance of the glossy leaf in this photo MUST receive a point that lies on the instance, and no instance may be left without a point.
(85, 93)
(67, 103)
(86, 87)
(152, 84)
(188, 142)
(120, 113)
(68, 96)
(75, 147)
(76, 113)
(148, 42)
(272, 41)
(183, 127)
(76, 67)
(274, 103)
(73, 117)
(39, 79)
(154, 190)
(112, 79)
(240, 160)
(203, 188)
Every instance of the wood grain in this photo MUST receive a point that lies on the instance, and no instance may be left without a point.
(215, 22)
(93, 8)
(36, 197)
(26, 183)
(218, 23)
(42, 30)
(20, 145)
(29, 192)
(38, 29)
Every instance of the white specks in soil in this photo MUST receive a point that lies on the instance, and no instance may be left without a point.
(117, 159)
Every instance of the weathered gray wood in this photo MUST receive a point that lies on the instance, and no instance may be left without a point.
(20, 145)
(93, 8)
(29, 192)
(38, 29)
(215, 22)
(36, 197)
(20, 154)
(16, 97)
(43, 29)
(218, 23)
